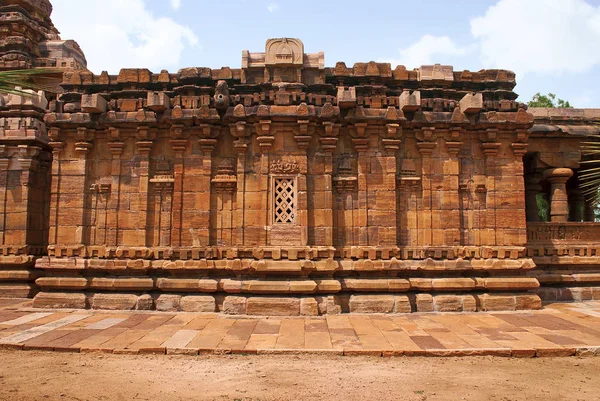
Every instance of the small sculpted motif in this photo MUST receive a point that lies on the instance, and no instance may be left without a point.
(221, 95)
(283, 167)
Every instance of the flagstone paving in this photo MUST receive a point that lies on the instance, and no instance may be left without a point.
(560, 329)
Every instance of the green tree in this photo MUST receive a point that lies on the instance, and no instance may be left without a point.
(549, 100)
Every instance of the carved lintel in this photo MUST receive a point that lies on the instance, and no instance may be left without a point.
(285, 167)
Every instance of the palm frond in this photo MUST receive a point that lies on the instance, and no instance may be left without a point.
(17, 82)
(589, 175)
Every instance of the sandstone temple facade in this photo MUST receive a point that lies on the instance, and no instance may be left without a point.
(285, 187)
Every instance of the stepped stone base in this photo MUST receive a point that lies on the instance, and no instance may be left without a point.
(17, 276)
(292, 306)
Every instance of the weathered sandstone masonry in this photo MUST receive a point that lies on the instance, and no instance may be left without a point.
(287, 188)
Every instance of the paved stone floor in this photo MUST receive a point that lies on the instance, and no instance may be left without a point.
(560, 329)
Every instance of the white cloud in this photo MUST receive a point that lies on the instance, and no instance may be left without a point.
(429, 50)
(549, 36)
(176, 4)
(272, 7)
(123, 34)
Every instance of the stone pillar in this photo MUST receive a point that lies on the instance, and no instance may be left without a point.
(179, 146)
(143, 145)
(490, 149)
(386, 198)
(265, 142)
(424, 219)
(303, 138)
(239, 131)
(197, 219)
(116, 147)
(361, 144)
(328, 144)
(55, 186)
(70, 189)
(559, 205)
(450, 202)
(532, 189)
(4, 161)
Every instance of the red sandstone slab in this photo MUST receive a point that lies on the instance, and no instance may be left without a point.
(132, 321)
(212, 334)
(261, 341)
(291, 334)
(267, 326)
(238, 335)
(97, 340)
(45, 339)
(125, 339)
(369, 334)
(427, 342)
(72, 338)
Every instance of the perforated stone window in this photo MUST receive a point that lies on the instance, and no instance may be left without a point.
(284, 200)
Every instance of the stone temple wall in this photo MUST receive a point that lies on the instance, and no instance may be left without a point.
(286, 188)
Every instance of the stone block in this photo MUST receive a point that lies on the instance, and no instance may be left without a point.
(447, 303)
(168, 303)
(17, 290)
(424, 302)
(346, 97)
(158, 101)
(268, 306)
(114, 301)
(371, 303)
(234, 305)
(145, 302)
(60, 300)
(488, 302)
(309, 307)
(410, 101)
(93, 104)
(198, 303)
(402, 304)
(528, 302)
(471, 103)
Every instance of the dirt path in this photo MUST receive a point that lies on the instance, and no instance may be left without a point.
(57, 376)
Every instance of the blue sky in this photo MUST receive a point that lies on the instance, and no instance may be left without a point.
(552, 45)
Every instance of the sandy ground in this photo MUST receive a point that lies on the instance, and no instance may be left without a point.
(58, 376)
